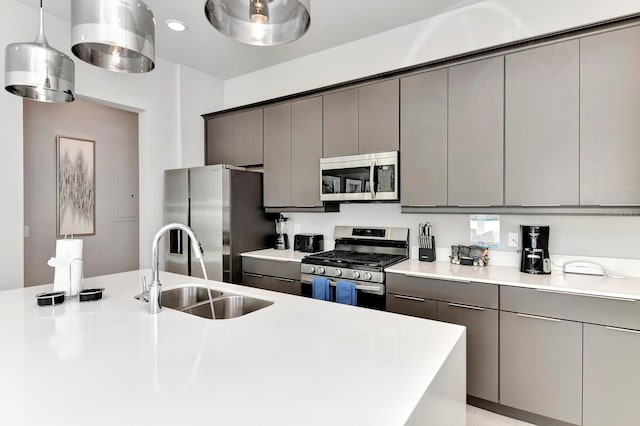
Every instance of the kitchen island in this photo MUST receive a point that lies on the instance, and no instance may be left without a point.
(298, 361)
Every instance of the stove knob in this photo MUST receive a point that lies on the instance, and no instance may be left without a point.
(356, 274)
(320, 270)
(312, 269)
(367, 276)
(337, 272)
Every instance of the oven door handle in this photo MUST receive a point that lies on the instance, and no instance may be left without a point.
(372, 187)
(360, 286)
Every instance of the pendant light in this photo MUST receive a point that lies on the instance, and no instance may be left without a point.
(117, 35)
(38, 71)
(260, 22)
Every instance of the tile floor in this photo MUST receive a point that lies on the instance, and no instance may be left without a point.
(479, 417)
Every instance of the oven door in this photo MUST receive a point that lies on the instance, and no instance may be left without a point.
(366, 177)
(370, 295)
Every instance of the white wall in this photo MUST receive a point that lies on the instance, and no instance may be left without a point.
(193, 84)
(155, 95)
(481, 25)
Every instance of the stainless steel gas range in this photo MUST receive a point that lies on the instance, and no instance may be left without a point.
(360, 256)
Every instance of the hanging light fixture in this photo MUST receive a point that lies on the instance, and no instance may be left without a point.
(38, 71)
(260, 22)
(117, 35)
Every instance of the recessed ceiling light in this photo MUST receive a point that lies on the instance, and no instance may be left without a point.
(176, 25)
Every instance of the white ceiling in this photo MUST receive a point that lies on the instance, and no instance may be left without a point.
(333, 22)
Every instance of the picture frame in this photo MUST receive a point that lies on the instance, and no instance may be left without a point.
(352, 186)
(330, 184)
(75, 186)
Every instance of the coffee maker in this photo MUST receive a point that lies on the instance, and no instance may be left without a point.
(535, 250)
(282, 238)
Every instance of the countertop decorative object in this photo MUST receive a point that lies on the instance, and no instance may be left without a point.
(626, 288)
(277, 365)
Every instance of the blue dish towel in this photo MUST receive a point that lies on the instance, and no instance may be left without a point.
(321, 288)
(346, 293)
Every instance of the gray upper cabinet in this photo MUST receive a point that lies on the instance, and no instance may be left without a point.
(340, 123)
(219, 148)
(476, 133)
(609, 118)
(277, 155)
(248, 127)
(306, 151)
(379, 117)
(611, 376)
(541, 366)
(482, 346)
(423, 139)
(541, 125)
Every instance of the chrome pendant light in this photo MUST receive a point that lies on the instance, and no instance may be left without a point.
(260, 22)
(117, 35)
(38, 71)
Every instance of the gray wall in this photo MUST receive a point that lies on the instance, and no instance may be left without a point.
(114, 247)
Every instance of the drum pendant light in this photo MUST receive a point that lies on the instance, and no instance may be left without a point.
(38, 71)
(117, 35)
(260, 22)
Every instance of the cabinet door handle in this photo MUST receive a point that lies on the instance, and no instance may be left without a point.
(249, 274)
(457, 305)
(623, 330)
(415, 299)
(286, 280)
(406, 274)
(624, 299)
(540, 318)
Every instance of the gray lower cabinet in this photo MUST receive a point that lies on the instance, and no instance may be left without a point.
(277, 155)
(379, 117)
(541, 365)
(482, 346)
(611, 376)
(609, 111)
(219, 140)
(423, 139)
(476, 133)
(542, 101)
(340, 123)
(247, 130)
(306, 151)
(274, 275)
(411, 305)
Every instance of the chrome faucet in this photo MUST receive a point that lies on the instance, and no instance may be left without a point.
(154, 294)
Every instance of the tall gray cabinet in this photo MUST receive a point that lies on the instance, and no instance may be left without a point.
(476, 133)
(362, 120)
(609, 112)
(293, 147)
(423, 139)
(541, 126)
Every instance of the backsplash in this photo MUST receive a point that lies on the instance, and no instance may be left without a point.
(571, 236)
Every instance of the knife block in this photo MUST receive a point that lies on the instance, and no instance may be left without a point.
(428, 254)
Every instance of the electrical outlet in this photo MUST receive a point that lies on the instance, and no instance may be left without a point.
(513, 239)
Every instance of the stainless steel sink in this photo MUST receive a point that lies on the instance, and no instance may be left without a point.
(194, 300)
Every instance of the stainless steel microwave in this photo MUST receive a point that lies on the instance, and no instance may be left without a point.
(364, 177)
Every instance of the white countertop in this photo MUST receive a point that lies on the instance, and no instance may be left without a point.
(298, 361)
(505, 275)
(272, 254)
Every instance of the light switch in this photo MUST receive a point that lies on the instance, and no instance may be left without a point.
(26, 232)
(513, 239)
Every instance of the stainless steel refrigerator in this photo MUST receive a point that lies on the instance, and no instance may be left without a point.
(223, 205)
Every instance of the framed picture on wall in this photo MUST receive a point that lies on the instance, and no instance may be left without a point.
(75, 186)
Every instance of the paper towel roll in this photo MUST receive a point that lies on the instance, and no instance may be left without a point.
(68, 264)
